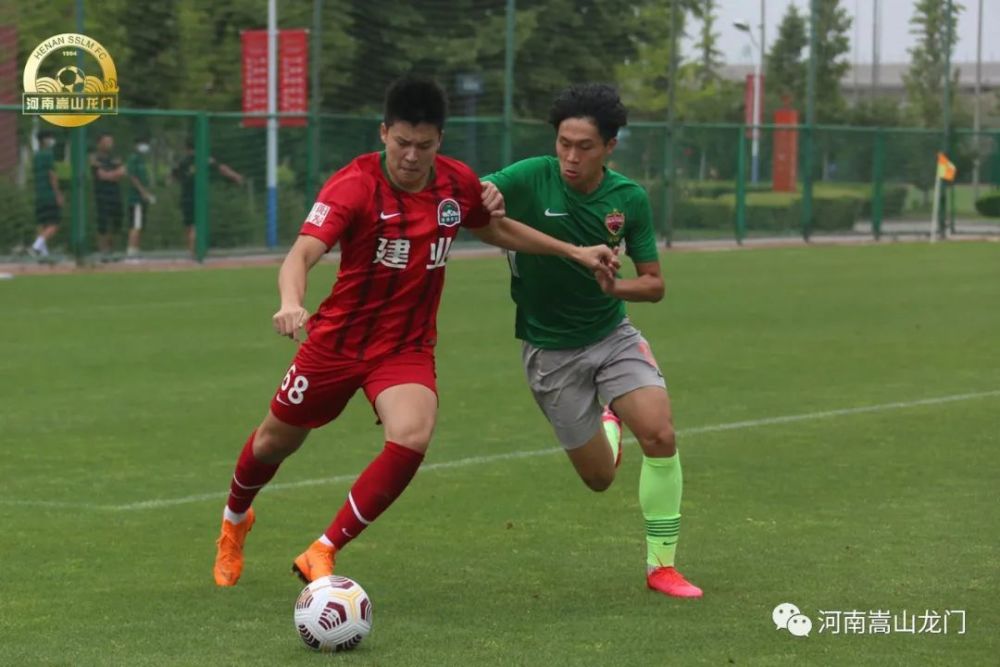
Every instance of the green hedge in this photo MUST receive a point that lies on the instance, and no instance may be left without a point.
(17, 216)
(776, 212)
(989, 205)
(893, 194)
(703, 213)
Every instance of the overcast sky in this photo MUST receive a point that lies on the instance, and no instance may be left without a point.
(895, 21)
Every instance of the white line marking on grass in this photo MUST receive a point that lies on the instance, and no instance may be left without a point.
(493, 458)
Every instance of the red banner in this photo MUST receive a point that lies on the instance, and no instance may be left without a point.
(293, 68)
(9, 87)
(785, 162)
(748, 95)
(293, 75)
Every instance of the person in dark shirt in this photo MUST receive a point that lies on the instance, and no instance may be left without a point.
(108, 170)
(184, 173)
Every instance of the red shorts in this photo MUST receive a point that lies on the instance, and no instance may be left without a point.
(316, 388)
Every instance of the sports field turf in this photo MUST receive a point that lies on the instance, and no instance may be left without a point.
(127, 397)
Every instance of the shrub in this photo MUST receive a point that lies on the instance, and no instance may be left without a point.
(989, 205)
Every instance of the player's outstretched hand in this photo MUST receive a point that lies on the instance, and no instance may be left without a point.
(290, 320)
(493, 200)
(599, 259)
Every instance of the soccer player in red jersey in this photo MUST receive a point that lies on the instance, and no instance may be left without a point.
(395, 215)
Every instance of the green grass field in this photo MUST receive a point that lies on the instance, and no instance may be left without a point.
(128, 395)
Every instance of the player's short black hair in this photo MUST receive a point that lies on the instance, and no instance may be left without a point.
(44, 134)
(597, 101)
(415, 99)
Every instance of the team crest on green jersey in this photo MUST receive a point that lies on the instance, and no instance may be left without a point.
(449, 214)
(614, 221)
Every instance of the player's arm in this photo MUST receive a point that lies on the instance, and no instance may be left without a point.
(230, 173)
(137, 184)
(54, 182)
(641, 243)
(646, 286)
(513, 235)
(113, 175)
(292, 315)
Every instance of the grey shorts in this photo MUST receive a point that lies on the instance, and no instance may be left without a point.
(571, 385)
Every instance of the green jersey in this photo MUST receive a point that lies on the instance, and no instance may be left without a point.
(136, 166)
(44, 163)
(559, 303)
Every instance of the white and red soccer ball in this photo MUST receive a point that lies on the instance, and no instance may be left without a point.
(333, 614)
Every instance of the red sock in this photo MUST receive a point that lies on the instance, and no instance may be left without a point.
(377, 487)
(250, 477)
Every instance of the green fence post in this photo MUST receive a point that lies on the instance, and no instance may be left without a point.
(741, 186)
(951, 199)
(312, 144)
(201, 153)
(665, 190)
(78, 200)
(508, 83)
(996, 159)
(878, 171)
(807, 183)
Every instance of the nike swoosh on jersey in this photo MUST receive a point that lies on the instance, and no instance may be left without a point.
(386, 216)
(551, 214)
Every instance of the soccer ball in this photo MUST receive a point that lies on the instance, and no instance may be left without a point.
(72, 79)
(333, 614)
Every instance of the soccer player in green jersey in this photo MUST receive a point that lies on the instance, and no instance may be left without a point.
(139, 195)
(48, 195)
(579, 348)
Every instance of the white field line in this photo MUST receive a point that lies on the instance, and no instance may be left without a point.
(493, 458)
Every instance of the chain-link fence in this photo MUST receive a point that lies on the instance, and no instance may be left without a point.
(501, 62)
(863, 180)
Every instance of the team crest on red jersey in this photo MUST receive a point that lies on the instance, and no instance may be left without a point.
(614, 221)
(449, 213)
(317, 216)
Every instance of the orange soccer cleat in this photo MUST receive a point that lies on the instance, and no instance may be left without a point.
(670, 582)
(315, 562)
(229, 552)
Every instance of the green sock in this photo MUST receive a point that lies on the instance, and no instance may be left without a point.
(660, 483)
(614, 435)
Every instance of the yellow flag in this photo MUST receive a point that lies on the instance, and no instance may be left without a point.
(945, 168)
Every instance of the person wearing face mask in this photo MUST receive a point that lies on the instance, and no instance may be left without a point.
(48, 196)
(139, 195)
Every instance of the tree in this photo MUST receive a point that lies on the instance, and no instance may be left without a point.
(925, 78)
(709, 55)
(151, 56)
(833, 25)
(786, 66)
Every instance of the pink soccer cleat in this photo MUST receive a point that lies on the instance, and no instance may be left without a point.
(670, 582)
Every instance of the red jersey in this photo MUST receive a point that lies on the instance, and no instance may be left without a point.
(393, 249)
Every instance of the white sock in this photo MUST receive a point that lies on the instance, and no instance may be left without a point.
(40, 245)
(325, 540)
(233, 517)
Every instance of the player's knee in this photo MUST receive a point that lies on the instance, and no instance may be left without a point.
(599, 481)
(272, 446)
(659, 442)
(415, 436)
